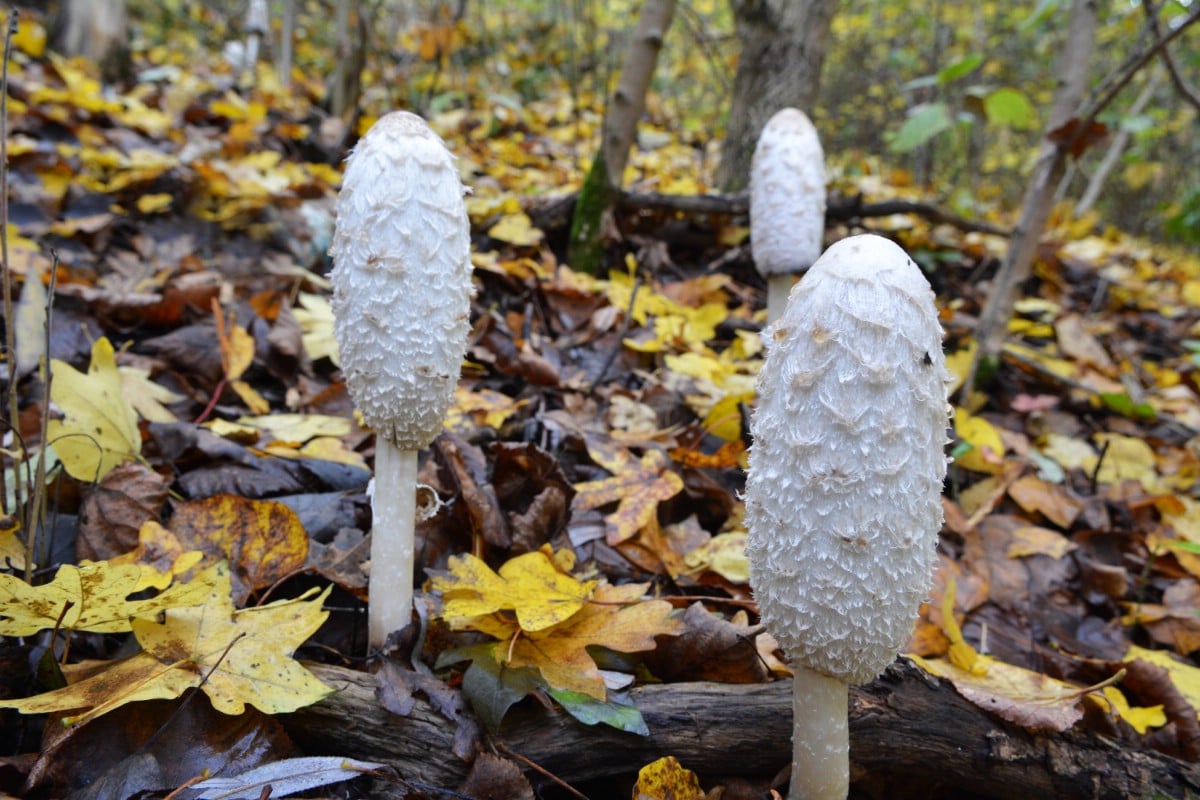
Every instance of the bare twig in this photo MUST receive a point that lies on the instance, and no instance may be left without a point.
(1186, 90)
(10, 325)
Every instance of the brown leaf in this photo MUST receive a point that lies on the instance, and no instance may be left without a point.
(637, 486)
(113, 512)
(464, 471)
(495, 778)
(341, 561)
(709, 648)
(1052, 501)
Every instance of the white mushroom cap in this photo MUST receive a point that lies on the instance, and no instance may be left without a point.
(787, 195)
(402, 279)
(843, 495)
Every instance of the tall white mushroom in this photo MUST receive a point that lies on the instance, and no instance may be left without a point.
(843, 494)
(401, 302)
(787, 203)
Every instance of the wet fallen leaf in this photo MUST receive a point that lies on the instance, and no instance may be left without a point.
(667, 779)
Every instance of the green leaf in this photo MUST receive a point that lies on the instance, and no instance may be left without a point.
(923, 124)
(1123, 404)
(491, 687)
(1009, 106)
(611, 712)
(959, 69)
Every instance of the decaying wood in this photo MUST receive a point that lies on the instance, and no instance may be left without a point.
(556, 213)
(911, 735)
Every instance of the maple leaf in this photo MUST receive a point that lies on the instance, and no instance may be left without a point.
(235, 657)
(90, 597)
(99, 429)
(616, 617)
(636, 485)
(532, 585)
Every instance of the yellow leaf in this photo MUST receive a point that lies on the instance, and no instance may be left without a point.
(250, 396)
(1028, 698)
(12, 549)
(161, 551)
(724, 554)
(146, 396)
(1032, 540)
(531, 585)
(1067, 452)
(1140, 718)
(263, 541)
(1125, 458)
(30, 37)
(235, 657)
(615, 618)
(987, 448)
(959, 362)
(724, 418)
(1185, 677)
(667, 779)
(315, 317)
(99, 430)
(90, 597)
(516, 229)
(299, 428)
(154, 203)
(637, 486)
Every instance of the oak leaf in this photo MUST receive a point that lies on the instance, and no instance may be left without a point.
(637, 485)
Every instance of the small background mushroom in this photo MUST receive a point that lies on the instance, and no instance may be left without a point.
(787, 203)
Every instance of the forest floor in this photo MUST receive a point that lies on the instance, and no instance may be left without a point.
(180, 226)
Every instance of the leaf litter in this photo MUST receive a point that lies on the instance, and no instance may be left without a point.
(593, 459)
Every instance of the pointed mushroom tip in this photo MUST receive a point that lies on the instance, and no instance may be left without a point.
(791, 120)
(402, 123)
(864, 254)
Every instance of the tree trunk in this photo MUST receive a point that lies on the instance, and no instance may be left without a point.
(783, 48)
(911, 736)
(98, 30)
(593, 212)
(1051, 162)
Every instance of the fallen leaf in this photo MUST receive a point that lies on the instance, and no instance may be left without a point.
(1054, 502)
(531, 585)
(237, 658)
(667, 779)
(91, 597)
(263, 541)
(99, 429)
(637, 486)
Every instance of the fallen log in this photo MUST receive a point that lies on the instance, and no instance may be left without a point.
(911, 735)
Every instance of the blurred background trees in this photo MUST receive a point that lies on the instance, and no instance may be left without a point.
(949, 97)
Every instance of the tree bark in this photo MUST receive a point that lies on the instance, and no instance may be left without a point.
(783, 47)
(98, 30)
(1047, 171)
(911, 736)
(599, 192)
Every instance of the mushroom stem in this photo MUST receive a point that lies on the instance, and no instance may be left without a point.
(820, 737)
(779, 286)
(394, 512)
